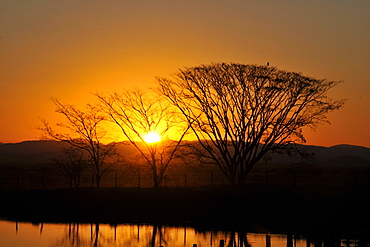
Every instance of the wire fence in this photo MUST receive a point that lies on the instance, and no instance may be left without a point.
(333, 180)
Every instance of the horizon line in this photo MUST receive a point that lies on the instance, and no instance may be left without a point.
(304, 144)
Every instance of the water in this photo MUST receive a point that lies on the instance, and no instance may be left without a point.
(102, 235)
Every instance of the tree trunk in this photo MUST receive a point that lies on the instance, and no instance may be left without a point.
(98, 177)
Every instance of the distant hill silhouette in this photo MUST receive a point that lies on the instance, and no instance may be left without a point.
(29, 151)
(41, 151)
(30, 147)
(327, 156)
(323, 153)
(346, 161)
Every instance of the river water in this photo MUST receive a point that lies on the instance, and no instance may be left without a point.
(19, 234)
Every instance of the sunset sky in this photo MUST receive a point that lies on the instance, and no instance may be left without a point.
(70, 49)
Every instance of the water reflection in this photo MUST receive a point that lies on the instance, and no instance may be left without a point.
(102, 235)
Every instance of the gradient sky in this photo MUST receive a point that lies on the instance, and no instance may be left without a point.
(69, 49)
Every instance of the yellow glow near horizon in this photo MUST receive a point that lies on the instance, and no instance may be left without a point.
(69, 50)
(152, 137)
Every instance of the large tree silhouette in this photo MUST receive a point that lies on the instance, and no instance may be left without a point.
(137, 113)
(84, 130)
(239, 113)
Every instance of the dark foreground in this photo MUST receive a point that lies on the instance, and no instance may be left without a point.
(273, 210)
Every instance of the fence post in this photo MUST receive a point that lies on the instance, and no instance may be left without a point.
(138, 180)
(42, 183)
(116, 180)
(222, 243)
(327, 179)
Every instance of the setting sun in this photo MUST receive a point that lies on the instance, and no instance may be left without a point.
(152, 137)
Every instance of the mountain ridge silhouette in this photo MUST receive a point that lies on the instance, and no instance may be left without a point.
(40, 151)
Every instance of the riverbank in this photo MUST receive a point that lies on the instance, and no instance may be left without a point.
(274, 210)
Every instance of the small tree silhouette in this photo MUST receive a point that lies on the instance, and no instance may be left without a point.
(84, 131)
(137, 113)
(72, 163)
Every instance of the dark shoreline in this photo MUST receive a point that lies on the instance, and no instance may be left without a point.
(223, 208)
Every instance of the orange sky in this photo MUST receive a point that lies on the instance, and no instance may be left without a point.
(68, 49)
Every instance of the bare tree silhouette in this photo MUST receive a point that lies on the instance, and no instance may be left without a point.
(137, 113)
(71, 162)
(239, 113)
(84, 131)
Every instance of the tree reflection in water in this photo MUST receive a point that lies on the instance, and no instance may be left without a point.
(238, 239)
(103, 235)
(72, 237)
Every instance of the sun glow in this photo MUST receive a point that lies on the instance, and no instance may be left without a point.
(152, 137)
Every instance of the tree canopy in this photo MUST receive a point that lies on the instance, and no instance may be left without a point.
(239, 112)
(83, 130)
(138, 114)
